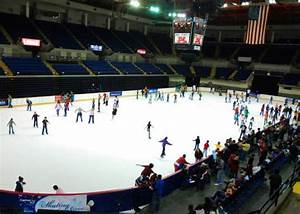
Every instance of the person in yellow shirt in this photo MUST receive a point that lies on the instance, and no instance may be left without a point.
(218, 146)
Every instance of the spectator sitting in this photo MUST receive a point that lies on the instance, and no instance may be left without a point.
(191, 209)
(198, 154)
(180, 163)
(142, 181)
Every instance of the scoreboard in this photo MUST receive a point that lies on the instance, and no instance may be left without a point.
(189, 33)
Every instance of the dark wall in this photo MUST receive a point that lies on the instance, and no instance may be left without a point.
(264, 84)
(43, 86)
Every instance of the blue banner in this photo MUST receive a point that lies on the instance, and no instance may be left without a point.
(153, 90)
(115, 93)
(3, 102)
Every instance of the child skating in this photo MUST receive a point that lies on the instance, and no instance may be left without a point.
(11, 123)
(164, 143)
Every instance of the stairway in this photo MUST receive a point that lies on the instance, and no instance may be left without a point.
(45, 38)
(117, 69)
(99, 38)
(53, 71)
(231, 77)
(129, 48)
(263, 54)
(139, 69)
(159, 69)
(235, 52)
(6, 34)
(295, 57)
(73, 36)
(154, 45)
(87, 68)
(172, 69)
(213, 72)
(5, 68)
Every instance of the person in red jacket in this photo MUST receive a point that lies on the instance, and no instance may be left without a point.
(205, 148)
(180, 163)
(147, 171)
(233, 163)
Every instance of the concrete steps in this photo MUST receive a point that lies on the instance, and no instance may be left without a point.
(5, 68)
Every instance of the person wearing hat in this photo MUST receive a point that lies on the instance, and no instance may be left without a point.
(19, 184)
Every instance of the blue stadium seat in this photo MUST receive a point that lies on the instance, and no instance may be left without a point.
(290, 79)
(242, 75)
(100, 67)
(84, 35)
(182, 69)
(223, 73)
(165, 68)
(69, 69)
(3, 40)
(280, 54)
(58, 35)
(111, 40)
(203, 72)
(26, 66)
(127, 68)
(163, 42)
(226, 50)
(143, 40)
(18, 26)
(149, 68)
(2, 72)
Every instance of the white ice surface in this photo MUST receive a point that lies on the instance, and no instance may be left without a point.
(82, 157)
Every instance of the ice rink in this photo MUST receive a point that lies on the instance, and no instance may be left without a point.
(82, 157)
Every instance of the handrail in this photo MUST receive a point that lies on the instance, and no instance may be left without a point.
(290, 181)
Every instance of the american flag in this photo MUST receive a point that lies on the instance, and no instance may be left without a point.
(257, 24)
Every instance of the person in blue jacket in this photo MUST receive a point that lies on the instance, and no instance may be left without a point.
(164, 143)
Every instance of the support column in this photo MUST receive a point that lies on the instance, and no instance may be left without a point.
(108, 23)
(85, 19)
(272, 37)
(145, 30)
(127, 27)
(27, 9)
(220, 36)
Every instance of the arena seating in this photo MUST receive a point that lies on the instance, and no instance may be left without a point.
(242, 75)
(209, 49)
(26, 66)
(144, 40)
(149, 68)
(226, 50)
(2, 72)
(18, 27)
(130, 41)
(69, 69)
(223, 73)
(111, 40)
(290, 79)
(127, 68)
(3, 40)
(83, 34)
(279, 54)
(100, 67)
(58, 35)
(165, 68)
(162, 41)
(182, 69)
(253, 51)
(203, 72)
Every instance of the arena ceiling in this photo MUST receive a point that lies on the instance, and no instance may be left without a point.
(283, 12)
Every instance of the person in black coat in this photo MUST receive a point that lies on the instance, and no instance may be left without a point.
(19, 184)
(275, 183)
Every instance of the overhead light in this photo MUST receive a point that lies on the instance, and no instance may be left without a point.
(154, 9)
(135, 3)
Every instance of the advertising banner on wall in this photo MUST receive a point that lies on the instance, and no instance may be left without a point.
(3, 102)
(115, 93)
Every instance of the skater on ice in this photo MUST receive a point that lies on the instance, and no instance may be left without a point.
(149, 126)
(99, 102)
(11, 123)
(35, 117)
(114, 112)
(29, 104)
(19, 184)
(45, 126)
(79, 113)
(91, 115)
(58, 107)
(164, 143)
